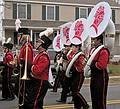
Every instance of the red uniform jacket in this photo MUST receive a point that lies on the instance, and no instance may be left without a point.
(8, 58)
(102, 59)
(40, 68)
(23, 52)
(70, 55)
(79, 63)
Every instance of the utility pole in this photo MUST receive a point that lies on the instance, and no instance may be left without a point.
(2, 35)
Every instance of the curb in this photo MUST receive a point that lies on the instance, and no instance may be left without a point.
(110, 77)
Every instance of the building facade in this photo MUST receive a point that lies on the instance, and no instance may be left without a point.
(37, 15)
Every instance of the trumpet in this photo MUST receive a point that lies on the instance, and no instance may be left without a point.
(23, 79)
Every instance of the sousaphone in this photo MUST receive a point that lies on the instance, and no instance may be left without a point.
(64, 33)
(99, 22)
(77, 35)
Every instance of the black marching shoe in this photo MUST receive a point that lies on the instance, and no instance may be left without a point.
(69, 94)
(86, 107)
(10, 99)
(71, 102)
(53, 90)
(61, 101)
(3, 99)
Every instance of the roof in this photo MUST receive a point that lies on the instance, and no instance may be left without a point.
(93, 2)
(65, 2)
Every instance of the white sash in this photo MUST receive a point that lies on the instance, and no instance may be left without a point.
(87, 70)
(71, 63)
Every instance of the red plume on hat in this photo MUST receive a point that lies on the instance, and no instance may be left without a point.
(44, 37)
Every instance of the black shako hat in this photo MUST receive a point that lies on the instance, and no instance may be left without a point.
(100, 37)
(44, 38)
(46, 42)
(8, 45)
(23, 31)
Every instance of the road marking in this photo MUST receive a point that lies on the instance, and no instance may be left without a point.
(113, 102)
(63, 106)
(114, 77)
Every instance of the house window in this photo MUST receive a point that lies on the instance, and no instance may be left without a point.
(83, 12)
(113, 16)
(50, 12)
(22, 11)
(35, 37)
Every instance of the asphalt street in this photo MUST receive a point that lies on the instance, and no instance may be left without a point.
(113, 100)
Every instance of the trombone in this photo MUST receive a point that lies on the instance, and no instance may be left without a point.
(23, 79)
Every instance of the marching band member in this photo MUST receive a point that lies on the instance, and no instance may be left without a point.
(64, 35)
(40, 73)
(7, 87)
(58, 61)
(59, 76)
(99, 75)
(99, 23)
(78, 78)
(77, 61)
(23, 33)
(66, 81)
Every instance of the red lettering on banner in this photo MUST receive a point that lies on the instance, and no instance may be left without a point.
(79, 27)
(98, 18)
(66, 33)
(58, 42)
